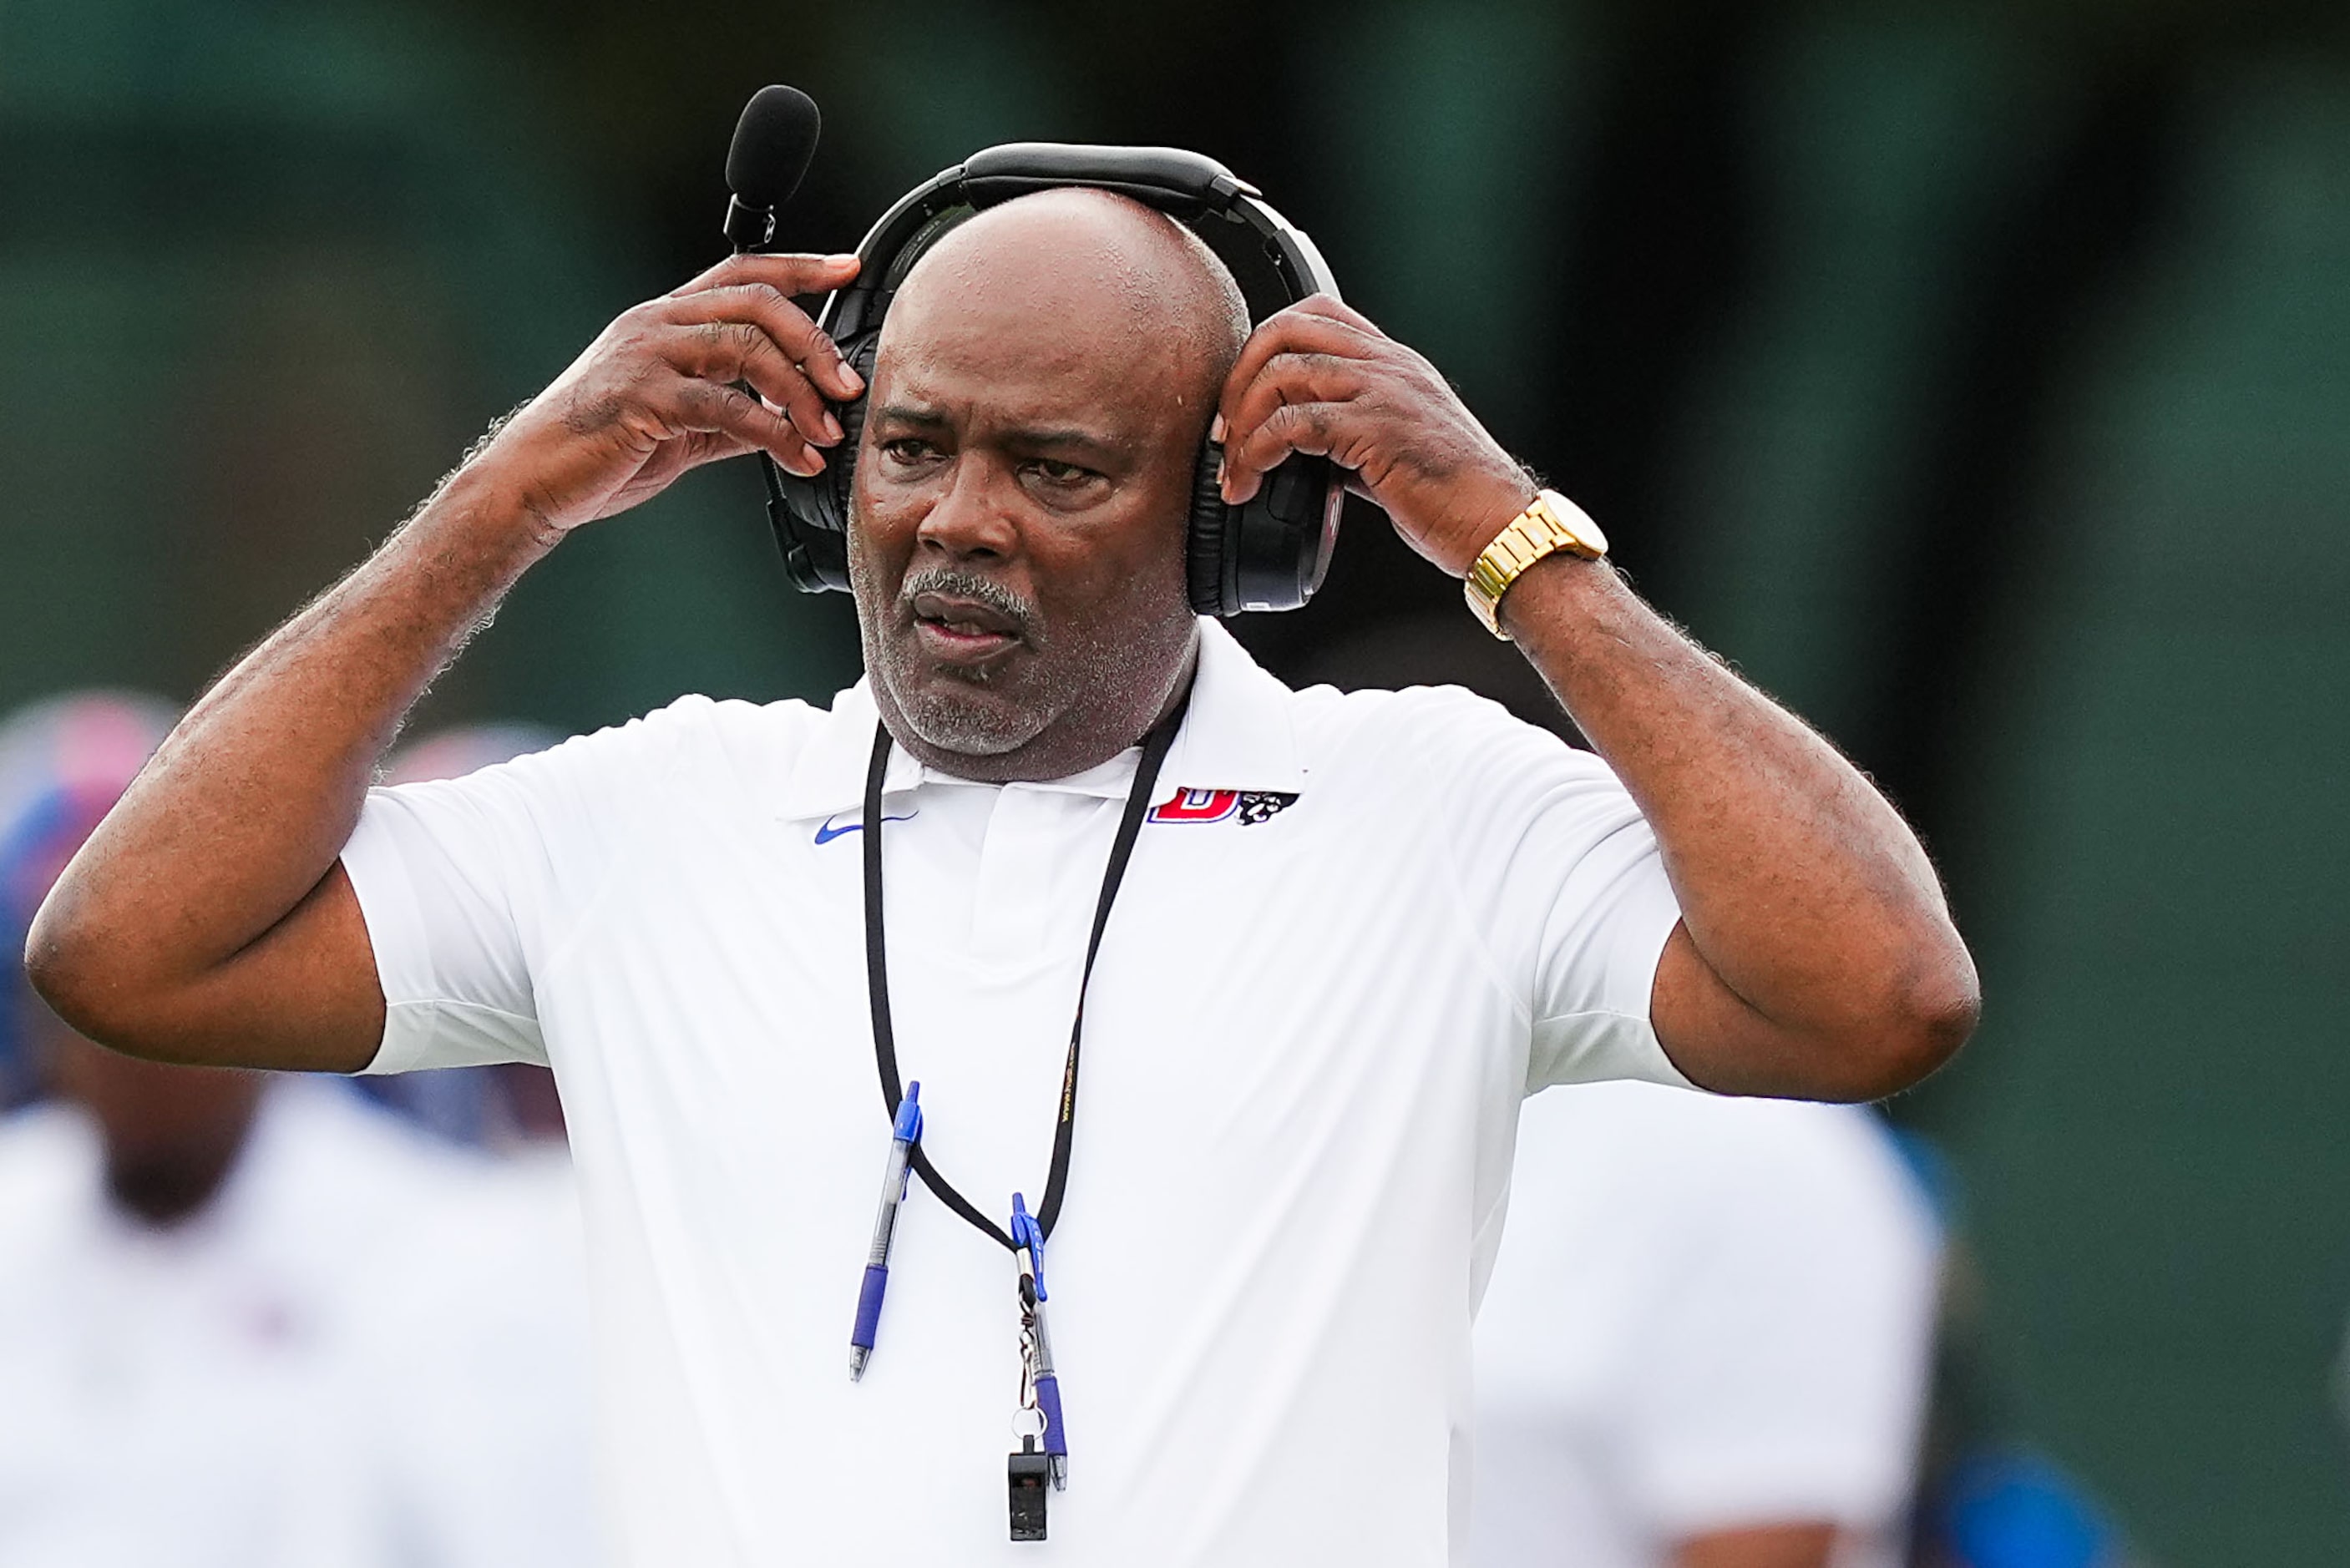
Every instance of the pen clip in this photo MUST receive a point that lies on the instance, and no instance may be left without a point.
(906, 1126)
(1029, 1237)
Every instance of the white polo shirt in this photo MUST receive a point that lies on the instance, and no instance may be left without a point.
(1355, 929)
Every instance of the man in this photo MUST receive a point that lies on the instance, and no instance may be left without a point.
(1309, 1024)
(259, 1324)
(1707, 1340)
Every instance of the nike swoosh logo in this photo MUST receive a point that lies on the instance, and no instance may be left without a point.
(828, 833)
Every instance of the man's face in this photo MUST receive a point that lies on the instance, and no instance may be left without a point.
(1021, 489)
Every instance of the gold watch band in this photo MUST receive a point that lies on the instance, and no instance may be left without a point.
(1552, 523)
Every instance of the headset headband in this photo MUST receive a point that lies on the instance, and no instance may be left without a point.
(1274, 262)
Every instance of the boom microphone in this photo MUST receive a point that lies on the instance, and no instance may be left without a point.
(774, 142)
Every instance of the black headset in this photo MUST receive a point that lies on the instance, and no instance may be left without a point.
(1270, 553)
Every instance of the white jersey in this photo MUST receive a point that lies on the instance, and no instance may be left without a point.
(1354, 931)
(1709, 1315)
(367, 1352)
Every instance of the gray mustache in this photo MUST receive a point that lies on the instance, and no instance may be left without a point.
(969, 585)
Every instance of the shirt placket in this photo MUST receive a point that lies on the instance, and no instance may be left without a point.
(1012, 917)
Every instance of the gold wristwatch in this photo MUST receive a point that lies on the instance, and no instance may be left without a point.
(1552, 523)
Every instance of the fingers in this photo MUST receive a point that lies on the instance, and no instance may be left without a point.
(1295, 379)
(1301, 330)
(1335, 309)
(1319, 430)
(771, 310)
(1319, 327)
(794, 273)
(742, 351)
(737, 322)
(677, 379)
(691, 404)
(1286, 380)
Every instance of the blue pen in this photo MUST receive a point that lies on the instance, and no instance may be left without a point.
(904, 1134)
(1029, 1237)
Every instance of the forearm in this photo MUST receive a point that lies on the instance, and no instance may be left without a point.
(1830, 965)
(243, 811)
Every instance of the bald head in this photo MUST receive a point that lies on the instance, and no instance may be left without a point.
(1071, 269)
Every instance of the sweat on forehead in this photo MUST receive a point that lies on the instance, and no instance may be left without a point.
(1084, 257)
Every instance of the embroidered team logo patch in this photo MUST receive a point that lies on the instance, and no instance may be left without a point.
(1252, 806)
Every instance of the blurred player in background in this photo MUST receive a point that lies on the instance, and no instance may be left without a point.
(255, 1323)
(1707, 1340)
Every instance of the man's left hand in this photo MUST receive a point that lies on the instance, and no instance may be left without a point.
(1816, 956)
(1319, 377)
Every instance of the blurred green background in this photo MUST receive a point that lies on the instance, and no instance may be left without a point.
(1976, 376)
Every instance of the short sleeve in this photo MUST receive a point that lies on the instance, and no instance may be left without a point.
(1562, 875)
(1784, 1371)
(468, 885)
(436, 881)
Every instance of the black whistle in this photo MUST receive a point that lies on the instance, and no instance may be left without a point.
(1030, 1476)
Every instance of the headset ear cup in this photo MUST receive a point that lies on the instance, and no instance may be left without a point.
(841, 460)
(810, 516)
(1207, 542)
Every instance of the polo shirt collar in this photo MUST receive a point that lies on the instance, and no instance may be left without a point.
(1236, 735)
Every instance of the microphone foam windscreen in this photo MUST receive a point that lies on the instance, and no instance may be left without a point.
(774, 142)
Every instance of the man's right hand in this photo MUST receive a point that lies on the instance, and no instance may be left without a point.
(208, 920)
(656, 393)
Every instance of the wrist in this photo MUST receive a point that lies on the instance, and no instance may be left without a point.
(1561, 591)
(485, 517)
(1496, 506)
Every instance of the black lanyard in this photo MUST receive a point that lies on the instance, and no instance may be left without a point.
(876, 967)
